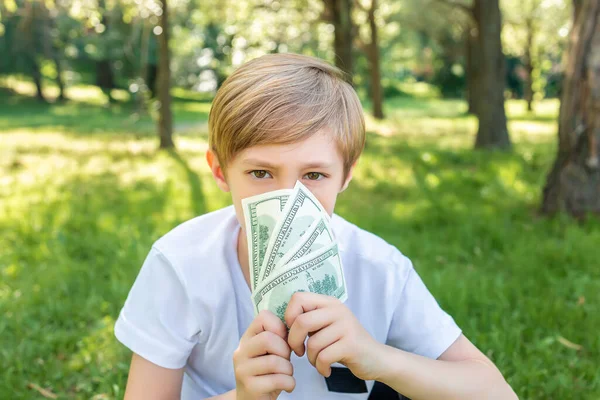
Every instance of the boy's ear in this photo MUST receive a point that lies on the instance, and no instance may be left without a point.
(348, 178)
(217, 171)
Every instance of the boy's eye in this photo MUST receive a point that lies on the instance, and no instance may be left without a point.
(314, 176)
(260, 174)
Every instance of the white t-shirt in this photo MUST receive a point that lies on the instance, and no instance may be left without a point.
(190, 305)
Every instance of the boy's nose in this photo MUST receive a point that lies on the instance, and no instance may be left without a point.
(288, 182)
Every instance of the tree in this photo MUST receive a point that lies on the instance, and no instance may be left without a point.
(339, 13)
(524, 19)
(528, 60)
(488, 71)
(30, 35)
(433, 40)
(489, 96)
(535, 31)
(165, 117)
(371, 49)
(573, 184)
(104, 73)
(471, 66)
(52, 44)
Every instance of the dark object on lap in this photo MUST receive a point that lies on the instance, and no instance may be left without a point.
(381, 391)
(342, 380)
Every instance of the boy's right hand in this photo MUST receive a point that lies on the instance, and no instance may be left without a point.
(262, 360)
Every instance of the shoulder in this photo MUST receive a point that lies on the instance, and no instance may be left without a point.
(369, 250)
(197, 232)
(193, 242)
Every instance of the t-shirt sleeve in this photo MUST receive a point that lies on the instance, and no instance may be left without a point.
(419, 325)
(157, 321)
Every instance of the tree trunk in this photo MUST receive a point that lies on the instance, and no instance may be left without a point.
(529, 64)
(37, 77)
(105, 79)
(471, 68)
(51, 51)
(374, 65)
(573, 184)
(151, 76)
(28, 28)
(165, 119)
(339, 13)
(59, 79)
(490, 79)
(147, 87)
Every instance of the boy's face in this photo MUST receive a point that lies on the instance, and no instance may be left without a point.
(316, 162)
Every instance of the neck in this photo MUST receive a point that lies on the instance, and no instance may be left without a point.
(242, 253)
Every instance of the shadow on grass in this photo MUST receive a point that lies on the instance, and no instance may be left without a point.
(195, 183)
(20, 112)
(83, 154)
(75, 260)
(513, 281)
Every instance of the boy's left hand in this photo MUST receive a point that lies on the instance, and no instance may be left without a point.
(335, 335)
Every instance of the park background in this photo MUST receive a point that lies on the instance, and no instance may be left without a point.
(481, 165)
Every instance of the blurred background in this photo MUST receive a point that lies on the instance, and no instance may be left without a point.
(483, 121)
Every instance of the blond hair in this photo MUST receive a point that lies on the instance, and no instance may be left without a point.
(282, 99)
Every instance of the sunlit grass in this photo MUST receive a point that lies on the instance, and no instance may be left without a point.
(84, 193)
(87, 112)
(81, 93)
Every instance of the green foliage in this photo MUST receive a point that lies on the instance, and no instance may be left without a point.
(114, 43)
(84, 194)
(392, 90)
(548, 22)
(429, 46)
(452, 84)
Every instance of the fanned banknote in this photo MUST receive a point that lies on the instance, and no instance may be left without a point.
(261, 214)
(317, 236)
(319, 272)
(291, 248)
(301, 210)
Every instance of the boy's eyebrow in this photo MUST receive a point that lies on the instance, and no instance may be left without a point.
(257, 162)
(317, 165)
(266, 164)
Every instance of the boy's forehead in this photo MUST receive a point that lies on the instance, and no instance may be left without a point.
(319, 150)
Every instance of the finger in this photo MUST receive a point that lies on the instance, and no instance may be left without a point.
(267, 343)
(329, 355)
(302, 302)
(306, 323)
(265, 321)
(321, 340)
(266, 365)
(270, 383)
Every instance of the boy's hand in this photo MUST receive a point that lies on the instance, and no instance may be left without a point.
(335, 335)
(262, 360)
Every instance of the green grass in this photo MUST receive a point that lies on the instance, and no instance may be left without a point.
(84, 193)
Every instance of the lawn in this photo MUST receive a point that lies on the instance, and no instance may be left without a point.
(84, 193)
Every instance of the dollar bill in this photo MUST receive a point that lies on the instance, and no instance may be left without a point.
(319, 272)
(301, 210)
(317, 236)
(261, 214)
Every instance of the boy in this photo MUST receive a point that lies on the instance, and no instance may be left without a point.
(189, 318)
